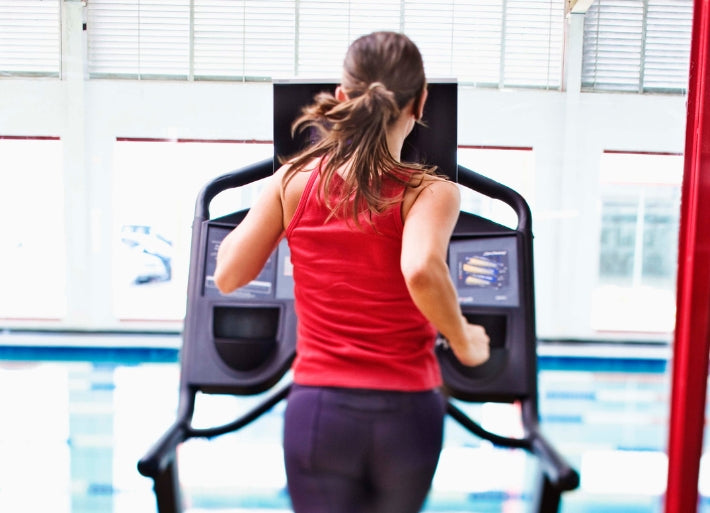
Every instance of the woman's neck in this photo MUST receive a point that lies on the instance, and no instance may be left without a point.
(398, 132)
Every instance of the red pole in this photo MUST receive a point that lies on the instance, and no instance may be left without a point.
(692, 331)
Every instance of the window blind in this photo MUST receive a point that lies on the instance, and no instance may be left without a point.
(533, 43)
(322, 38)
(30, 37)
(139, 38)
(488, 42)
(668, 32)
(637, 45)
(478, 41)
(503, 43)
(429, 24)
(326, 28)
(613, 36)
(244, 39)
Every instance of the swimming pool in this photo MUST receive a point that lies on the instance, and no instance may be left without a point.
(76, 419)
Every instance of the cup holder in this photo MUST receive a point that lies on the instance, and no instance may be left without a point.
(245, 337)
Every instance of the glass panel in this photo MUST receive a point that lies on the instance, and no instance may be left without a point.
(33, 246)
(155, 185)
(512, 167)
(640, 208)
(660, 240)
(618, 239)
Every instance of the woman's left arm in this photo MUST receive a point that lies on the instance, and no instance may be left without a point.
(244, 251)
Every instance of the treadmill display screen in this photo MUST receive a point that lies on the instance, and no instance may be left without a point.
(485, 270)
(274, 281)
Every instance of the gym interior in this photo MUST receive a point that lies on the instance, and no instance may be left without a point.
(133, 133)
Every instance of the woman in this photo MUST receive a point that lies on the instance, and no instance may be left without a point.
(368, 237)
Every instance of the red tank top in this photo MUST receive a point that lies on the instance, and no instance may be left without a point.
(357, 324)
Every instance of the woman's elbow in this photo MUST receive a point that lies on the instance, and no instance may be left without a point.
(417, 276)
(224, 281)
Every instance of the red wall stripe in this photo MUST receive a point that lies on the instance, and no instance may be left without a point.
(31, 137)
(185, 140)
(484, 147)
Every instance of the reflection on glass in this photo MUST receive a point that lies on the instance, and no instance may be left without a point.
(640, 207)
(148, 254)
(32, 227)
(618, 238)
(155, 188)
(660, 241)
(638, 241)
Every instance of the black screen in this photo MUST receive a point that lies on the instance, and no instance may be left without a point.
(485, 270)
(433, 144)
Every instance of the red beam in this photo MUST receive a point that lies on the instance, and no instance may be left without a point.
(692, 333)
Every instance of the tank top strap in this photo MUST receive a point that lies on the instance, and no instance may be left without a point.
(305, 196)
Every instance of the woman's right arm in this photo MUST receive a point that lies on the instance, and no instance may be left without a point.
(428, 225)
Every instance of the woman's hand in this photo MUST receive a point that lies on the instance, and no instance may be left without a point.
(474, 348)
(428, 226)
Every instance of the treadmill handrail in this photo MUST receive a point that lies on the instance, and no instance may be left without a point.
(159, 456)
(560, 474)
(162, 452)
(466, 177)
(496, 190)
(230, 180)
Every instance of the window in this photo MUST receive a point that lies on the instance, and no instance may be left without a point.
(140, 39)
(640, 205)
(30, 39)
(155, 184)
(513, 167)
(238, 39)
(637, 45)
(33, 274)
(495, 43)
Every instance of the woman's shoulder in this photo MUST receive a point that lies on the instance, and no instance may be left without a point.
(292, 184)
(419, 182)
(295, 179)
(443, 190)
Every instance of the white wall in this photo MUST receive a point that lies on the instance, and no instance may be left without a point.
(567, 130)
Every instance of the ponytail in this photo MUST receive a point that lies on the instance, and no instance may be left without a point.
(352, 134)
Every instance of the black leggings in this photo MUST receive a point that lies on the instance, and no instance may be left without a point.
(357, 451)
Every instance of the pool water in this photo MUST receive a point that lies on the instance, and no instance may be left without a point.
(75, 421)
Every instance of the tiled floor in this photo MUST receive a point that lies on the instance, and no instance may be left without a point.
(76, 421)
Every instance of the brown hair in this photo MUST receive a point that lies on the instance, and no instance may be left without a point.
(382, 72)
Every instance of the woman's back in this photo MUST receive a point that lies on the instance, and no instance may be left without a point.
(358, 326)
